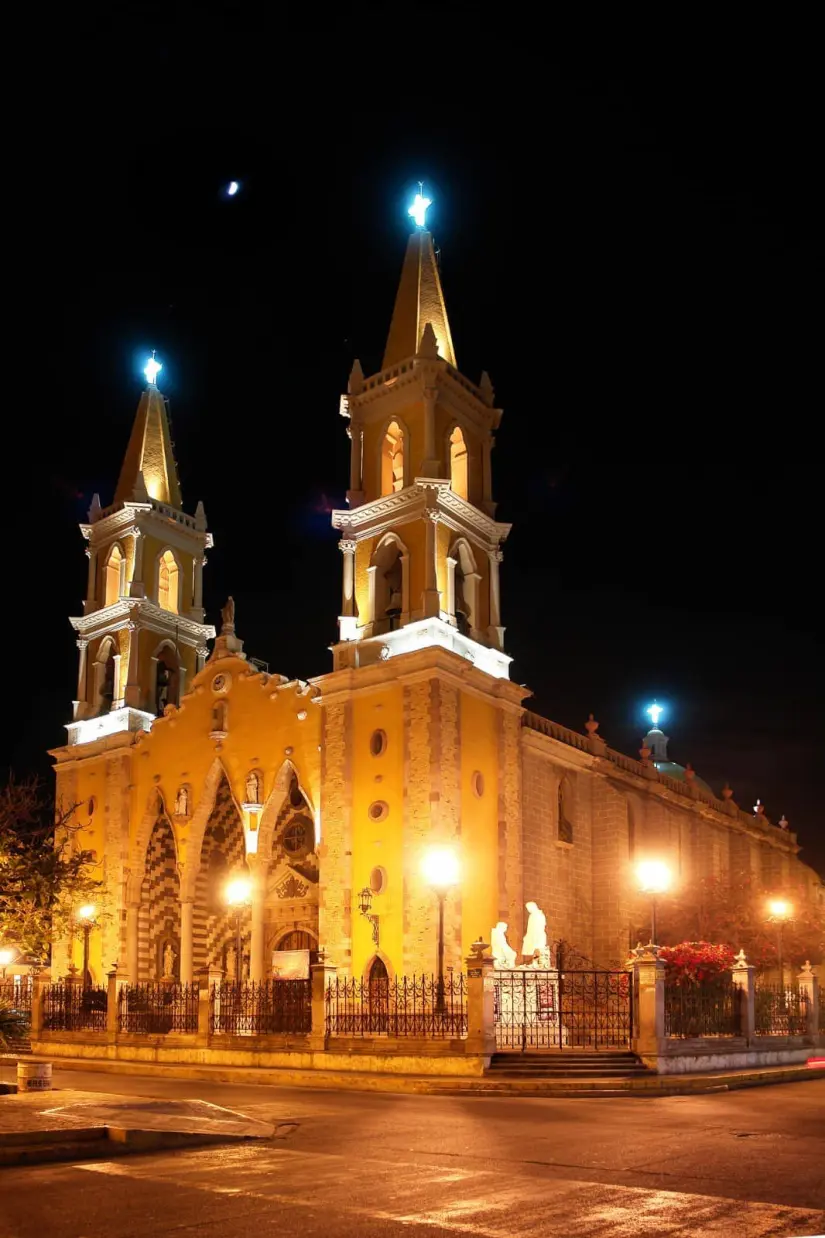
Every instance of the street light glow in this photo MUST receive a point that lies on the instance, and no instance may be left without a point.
(780, 909)
(232, 188)
(86, 913)
(440, 868)
(238, 891)
(653, 876)
(7, 956)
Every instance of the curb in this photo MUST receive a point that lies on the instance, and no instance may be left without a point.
(487, 1085)
(97, 1143)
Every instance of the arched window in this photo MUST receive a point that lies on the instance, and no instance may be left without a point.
(167, 681)
(378, 995)
(392, 459)
(462, 591)
(297, 940)
(115, 576)
(458, 463)
(565, 830)
(220, 718)
(389, 585)
(168, 582)
(106, 667)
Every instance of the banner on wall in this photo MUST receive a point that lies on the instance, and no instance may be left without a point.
(290, 964)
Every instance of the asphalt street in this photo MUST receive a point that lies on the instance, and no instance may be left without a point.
(743, 1164)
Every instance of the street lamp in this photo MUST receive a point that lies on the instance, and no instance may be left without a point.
(86, 916)
(364, 905)
(238, 895)
(6, 958)
(441, 870)
(654, 879)
(781, 912)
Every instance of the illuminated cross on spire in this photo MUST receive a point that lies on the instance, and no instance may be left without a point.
(152, 369)
(655, 711)
(418, 210)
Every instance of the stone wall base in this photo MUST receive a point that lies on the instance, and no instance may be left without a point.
(191, 1050)
(702, 1061)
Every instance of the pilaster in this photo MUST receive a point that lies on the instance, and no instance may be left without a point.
(335, 906)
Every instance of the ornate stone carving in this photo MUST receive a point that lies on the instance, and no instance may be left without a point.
(291, 887)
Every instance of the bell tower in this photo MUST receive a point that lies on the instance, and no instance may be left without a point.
(141, 636)
(421, 547)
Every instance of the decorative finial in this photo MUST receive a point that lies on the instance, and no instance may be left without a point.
(591, 726)
(759, 809)
(644, 753)
(783, 822)
(655, 712)
(740, 959)
(727, 791)
(690, 772)
(151, 369)
(418, 210)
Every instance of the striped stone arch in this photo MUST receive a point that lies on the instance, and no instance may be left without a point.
(155, 808)
(274, 804)
(197, 828)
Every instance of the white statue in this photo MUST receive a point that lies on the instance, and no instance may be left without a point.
(182, 802)
(535, 939)
(253, 790)
(503, 953)
(168, 962)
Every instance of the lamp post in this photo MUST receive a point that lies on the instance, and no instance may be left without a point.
(7, 957)
(364, 905)
(86, 917)
(440, 868)
(781, 913)
(238, 895)
(654, 879)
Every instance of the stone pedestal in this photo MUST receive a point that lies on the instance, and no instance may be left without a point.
(648, 980)
(743, 978)
(321, 974)
(481, 1029)
(808, 983)
(112, 990)
(207, 978)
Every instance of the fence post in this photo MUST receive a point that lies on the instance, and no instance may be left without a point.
(808, 982)
(648, 979)
(207, 977)
(321, 973)
(40, 983)
(742, 974)
(111, 1001)
(481, 1026)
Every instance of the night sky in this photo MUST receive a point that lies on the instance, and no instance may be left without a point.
(635, 257)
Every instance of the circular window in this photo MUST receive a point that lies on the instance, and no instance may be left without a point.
(297, 836)
(378, 743)
(221, 683)
(378, 810)
(478, 783)
(378, 880)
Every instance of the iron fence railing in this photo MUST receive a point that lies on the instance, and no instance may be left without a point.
(547, 1009)
(71, 1008)
(268, 1008)
(780, 1010)
(419, 1006)
(713, 1008)
(16, 992)
(158, 1008)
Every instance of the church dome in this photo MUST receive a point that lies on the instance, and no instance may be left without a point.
(672, 770)
(657, 741)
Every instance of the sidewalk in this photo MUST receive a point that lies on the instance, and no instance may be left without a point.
(488, 1085)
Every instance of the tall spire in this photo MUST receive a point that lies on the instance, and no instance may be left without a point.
(420, 300)
(150, 451)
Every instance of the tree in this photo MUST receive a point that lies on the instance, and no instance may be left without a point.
(45, 874)
(733, 911)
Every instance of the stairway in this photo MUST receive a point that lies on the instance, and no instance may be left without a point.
(567, 1064)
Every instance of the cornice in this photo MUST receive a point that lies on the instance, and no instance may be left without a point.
(128, 611)
(127, 517)
(426, 495)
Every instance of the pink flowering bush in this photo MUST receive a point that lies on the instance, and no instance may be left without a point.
(696, 962)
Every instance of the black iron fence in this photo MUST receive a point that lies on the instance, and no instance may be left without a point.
(268, 1008)
(71, 1008)
(16, 993)
(780, 1010)
(549, 1009)
(713, 1008)
(419, 1006)
(158, 1008)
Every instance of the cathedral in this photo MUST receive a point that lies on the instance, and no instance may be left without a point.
(338, 798)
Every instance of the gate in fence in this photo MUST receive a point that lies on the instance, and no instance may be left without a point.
(563, 1008)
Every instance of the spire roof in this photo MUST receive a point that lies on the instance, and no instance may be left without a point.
(149, 465)
(419, 301)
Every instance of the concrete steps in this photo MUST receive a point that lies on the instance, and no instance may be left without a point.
(567, 1064)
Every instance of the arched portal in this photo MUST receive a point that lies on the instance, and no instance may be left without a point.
(223, 855)
(159, 914)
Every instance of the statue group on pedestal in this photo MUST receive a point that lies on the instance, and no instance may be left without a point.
(534, 948)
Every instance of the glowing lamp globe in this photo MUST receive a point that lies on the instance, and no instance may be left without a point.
(440, 868)
(86, 913)
(6, 957)
(653, 876)
(780, 909)
(238, 891)
(232, 188)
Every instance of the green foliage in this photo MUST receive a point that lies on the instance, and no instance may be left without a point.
(45, 874)
(14, 1026)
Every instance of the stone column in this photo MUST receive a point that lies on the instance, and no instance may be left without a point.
(132, 692)
(82, 645)
(187, 974)
(137, 588)
(496, 557)
(111, 1002)
(481, 1029)
(743, 977)
(132, 911)
(207, 979)
(347, 548)
(648, 980)
(91, 580)
(432, 598)
(808, 982)
(256, 938)
(321, 974)
(430, 465)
